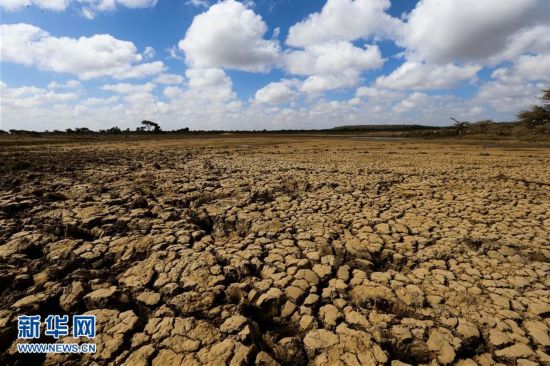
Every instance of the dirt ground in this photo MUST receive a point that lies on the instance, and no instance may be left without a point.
(280, 250)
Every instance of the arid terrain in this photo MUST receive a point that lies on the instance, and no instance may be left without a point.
(280, 250)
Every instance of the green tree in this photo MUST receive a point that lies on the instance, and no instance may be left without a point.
(537, 115)
(149, 125)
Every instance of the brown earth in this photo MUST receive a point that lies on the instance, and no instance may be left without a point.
(280, 250)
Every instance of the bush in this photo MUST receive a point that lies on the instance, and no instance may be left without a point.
(538, 115)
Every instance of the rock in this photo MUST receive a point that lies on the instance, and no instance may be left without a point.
(411, 295)
(31, 301)
(311, 300)
(518, 350)
(498, 338)
(538, 331)
(294, 293)
(233, 324)
(140, 357)
(357, 319)
(329, 315)
(307, 322)
(264, 359)
(308, 275)
(383, 228)
(439, 342)
(288, 309)
(102, 297)
(270, 302)
(322, 270)
(71, 295)
(376, 294)
(193, 302)
(167, 357)
(149, 298)
(181, 344)
(467, 330)
(318, 340)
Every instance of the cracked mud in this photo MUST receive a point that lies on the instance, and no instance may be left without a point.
(287, 251)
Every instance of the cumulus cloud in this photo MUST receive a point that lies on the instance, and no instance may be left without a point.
(229, 35)
(343, 20)
(277, 92)
(517, 86)
(30, 96)
(533, 67)
(332, 65)
(94, 101)
(87, 57)
(416, 75)
(88, 8)
(444, 31)
(56, 5)
(168, 79)
(210, 84)
(125, 88)
(69, 84)
(197, 3)
(332, 58)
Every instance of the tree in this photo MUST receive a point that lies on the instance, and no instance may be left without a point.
(537, 115)
(149, 125)
(114, 129)
(460, 126)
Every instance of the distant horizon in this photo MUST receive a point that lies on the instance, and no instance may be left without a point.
(358, 127)
(259, 64)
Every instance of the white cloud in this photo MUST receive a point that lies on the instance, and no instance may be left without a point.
(174, 53)
(527, 40)
(343, 20)
(168, 79)
(416, 75)
(410, 102)
(69, 84)
(198, 3)
(92, 102)
(133, 4)
(444, 31)
(87, 57)
(332, 58)
(88, 8)
(173, 92)
(56, 5)
(533, 67)
(229, 35)
(332, 65)
(516, 87)
(377, 93)
(124, 88)
(277, 92)
(149, 53)
(210, 85)
(30, 96)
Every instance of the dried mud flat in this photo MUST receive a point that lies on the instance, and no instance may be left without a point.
(291, 251)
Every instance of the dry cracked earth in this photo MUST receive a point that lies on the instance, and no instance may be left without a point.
(280, 251)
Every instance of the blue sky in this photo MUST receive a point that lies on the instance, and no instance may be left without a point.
(269, 64)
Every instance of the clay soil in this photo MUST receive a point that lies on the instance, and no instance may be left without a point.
(279, 250)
